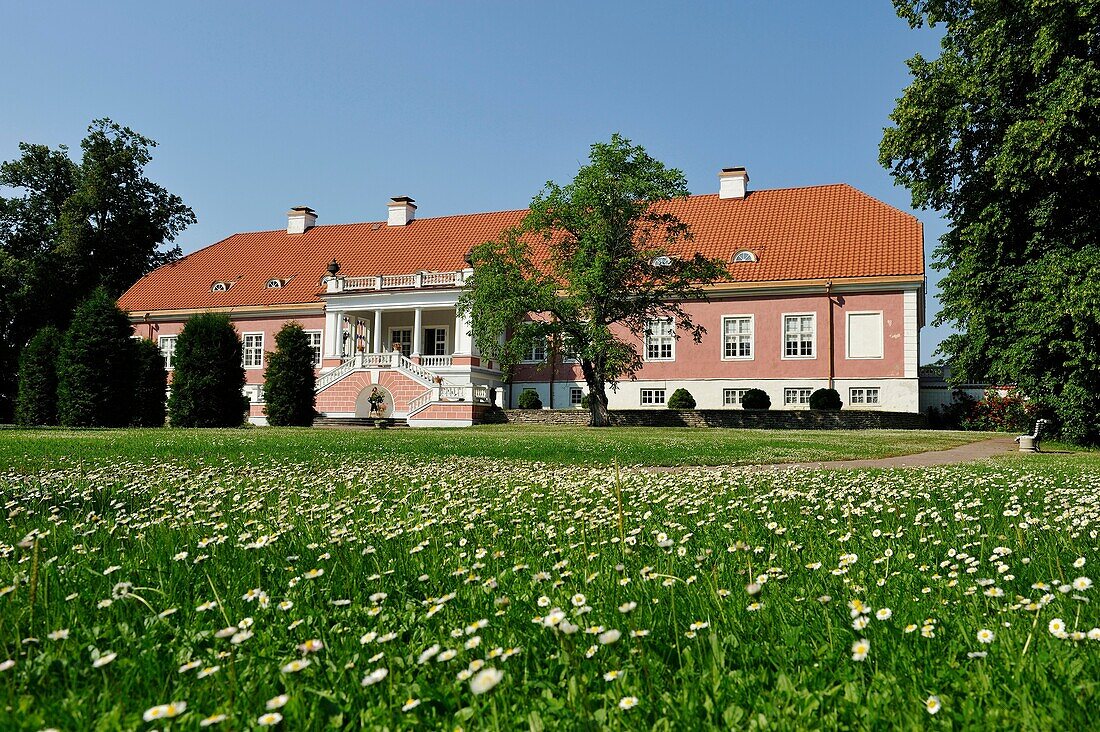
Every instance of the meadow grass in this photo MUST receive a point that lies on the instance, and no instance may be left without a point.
(33, 449)
(309, 590)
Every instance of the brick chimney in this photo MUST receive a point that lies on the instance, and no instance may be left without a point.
(300, 219)
(402, 209)
(733, 183)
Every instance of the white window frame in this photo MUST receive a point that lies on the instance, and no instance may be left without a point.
(393, 338)
(446, 340)
(529, 357)
(671, 336)
(320, 336)
(727, 393)
(783, 337)
(652, 399)
(245, 350)
(752, 337)
(254, 392)
(168, 355)
(578, 392)
(848, 336)
(799, 403)
(865, 391)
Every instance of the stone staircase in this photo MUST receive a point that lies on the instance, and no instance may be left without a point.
(360, 422)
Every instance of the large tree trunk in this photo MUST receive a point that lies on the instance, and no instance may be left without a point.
(597, 396)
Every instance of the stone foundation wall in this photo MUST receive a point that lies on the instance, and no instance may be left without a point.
(733, 418)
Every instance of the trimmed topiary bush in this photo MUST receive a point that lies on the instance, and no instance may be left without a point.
(825, 399)
(37, 400)
(96, 366)
(756, 399)
(150, 385)
(289, 379)
(529, 399)
(681, 399)
(208, 381)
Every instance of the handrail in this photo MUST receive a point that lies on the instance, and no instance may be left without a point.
(329, 378)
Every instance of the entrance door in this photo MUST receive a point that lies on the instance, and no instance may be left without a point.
(404, 336)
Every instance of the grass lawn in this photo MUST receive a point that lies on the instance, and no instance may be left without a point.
(557, 445)
(297, 580)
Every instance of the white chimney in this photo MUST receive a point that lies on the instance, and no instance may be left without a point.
(300, 219)
(402, 210)
(733, 183)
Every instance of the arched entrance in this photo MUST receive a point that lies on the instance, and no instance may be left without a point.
(363, 402)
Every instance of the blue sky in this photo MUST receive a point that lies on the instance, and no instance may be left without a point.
(465, 106)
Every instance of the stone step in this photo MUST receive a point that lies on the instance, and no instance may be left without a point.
(360, 422)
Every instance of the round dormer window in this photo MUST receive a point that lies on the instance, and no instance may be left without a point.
(219, 287)
(744, 256)
(274, 284)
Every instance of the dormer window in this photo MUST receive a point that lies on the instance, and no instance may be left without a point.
(220, 287)
(275, 284)
(744, 256)
(662, 261)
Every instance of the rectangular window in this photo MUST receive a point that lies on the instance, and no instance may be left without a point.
(798, 336)
(660, 340)
(253, 350)
(653, 396)
(733, 397)
(402, 337)
(863, 396)
(737, 336)
(435, 341)
(536, 353)
(799, 397)
(254, 392)
(168, 349)
(864, 335)
(576, 396)
(315, 344)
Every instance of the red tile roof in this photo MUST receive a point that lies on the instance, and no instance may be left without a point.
(826, 232)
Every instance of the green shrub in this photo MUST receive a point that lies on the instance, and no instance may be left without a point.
(529, 399)
(586, 402)
(150, 385)
(208, 382)
(289, 379)
(756, 399)
(826, 399)
(96, 366)
(37, 400)
(681, 399)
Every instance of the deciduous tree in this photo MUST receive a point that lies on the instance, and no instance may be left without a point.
(1001, 133)
(589, 268)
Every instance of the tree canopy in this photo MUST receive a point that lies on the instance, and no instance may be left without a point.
(75, 226)
(588, 269)
(290, 379)
(1001, 132)
(208, 378)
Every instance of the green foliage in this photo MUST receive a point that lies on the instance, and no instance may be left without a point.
(756, 399)
(96, 366)
(1001, 132)
(681, 399)
(37, 403)
(150, 385)
(529, 399)
(827, 399)
(603, 233)
(290, 379)
(208, 377)
(96, 222)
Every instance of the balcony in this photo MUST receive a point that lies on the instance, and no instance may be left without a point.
(415, 281)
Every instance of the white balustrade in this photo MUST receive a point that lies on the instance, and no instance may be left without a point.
(436, 362)
(398, 282)
(329, 378)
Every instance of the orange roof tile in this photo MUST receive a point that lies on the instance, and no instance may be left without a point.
(826, 232)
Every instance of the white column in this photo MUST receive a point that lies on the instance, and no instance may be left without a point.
(418, 331)
(341, 342)
(332, 333)
(377, 331)
(463, 341)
